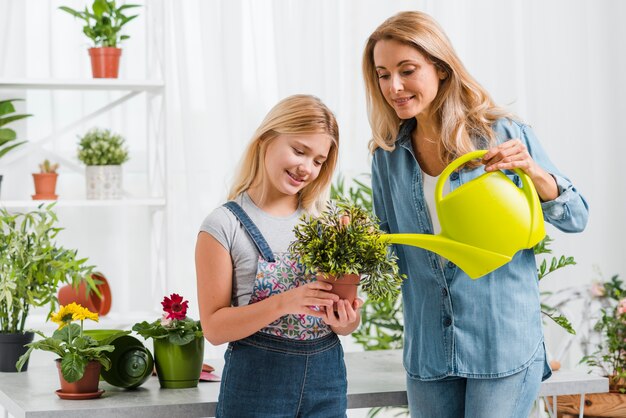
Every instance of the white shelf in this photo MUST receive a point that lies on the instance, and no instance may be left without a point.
(80, 84)
(148, 202)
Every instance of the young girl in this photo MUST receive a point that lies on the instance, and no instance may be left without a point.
(473, 348)
(284, 357)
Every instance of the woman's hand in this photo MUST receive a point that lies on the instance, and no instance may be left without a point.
(302, 299)
(346, 318)
(513, 154)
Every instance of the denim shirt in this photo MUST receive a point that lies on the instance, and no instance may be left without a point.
(453, 325)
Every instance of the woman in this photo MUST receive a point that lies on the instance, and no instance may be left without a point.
(473, 348)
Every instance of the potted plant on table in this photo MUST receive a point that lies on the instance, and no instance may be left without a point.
(103, 25)
(344, 246)
(46, 181)
(103, 152)
(80, 356)
(8, 135)
(178, 344)
(32, 266)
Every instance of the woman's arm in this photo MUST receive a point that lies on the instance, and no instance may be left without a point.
(221, 322)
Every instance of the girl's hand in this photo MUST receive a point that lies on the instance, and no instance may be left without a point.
(514, 154)
(301, 299)
(345, 316)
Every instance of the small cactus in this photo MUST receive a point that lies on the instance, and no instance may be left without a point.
(48, 167)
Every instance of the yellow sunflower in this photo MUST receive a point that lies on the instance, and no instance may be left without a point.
(72, 312)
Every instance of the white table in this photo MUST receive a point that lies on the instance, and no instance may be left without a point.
(375, 378)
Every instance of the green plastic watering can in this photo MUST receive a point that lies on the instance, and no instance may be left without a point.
(484, 222)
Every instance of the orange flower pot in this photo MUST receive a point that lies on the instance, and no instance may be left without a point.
(85, 387)
(45, 186)
(344, 286)
(67, 294)
(105, 62)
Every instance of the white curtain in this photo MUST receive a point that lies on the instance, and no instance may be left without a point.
(557, 64)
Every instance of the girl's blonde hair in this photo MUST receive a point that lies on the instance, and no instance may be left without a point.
(462, 109)
(297, 114)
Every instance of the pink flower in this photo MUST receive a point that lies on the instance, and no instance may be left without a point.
(175, 307)
(621, 307)
(165, 321)
(598, 290)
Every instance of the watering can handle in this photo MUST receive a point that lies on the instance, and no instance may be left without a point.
(528, 186)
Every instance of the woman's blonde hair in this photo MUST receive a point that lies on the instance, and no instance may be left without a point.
(297, 114)
(462, 109)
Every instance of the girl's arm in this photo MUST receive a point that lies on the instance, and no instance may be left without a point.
(221, 322)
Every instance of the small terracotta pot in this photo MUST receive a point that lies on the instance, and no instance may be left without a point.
(67, 294)
(45, 186)
(345, 286)
(86, 384)
(105, 62)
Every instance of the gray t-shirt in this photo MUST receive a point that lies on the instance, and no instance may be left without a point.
(228, 231)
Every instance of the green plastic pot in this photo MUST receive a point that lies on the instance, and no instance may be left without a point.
(178, 366)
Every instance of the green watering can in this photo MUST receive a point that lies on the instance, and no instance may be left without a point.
(484, 222)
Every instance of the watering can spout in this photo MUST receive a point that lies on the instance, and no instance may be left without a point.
(474, 261)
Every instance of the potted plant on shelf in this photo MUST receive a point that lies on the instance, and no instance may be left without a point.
(178, 344)
(103, 25)
(80, 356)
(343, 246)
(46, 181)
(32, 266)
(8, 135)
(103, 152)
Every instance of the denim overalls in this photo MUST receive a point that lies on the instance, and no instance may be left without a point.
(294, 367)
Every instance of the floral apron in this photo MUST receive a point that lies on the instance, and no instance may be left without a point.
(277, 273)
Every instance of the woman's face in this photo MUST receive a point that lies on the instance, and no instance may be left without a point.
(408, 80)
(294, 161)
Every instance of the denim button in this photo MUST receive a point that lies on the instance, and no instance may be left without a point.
(447, 322)
(454, 176)
(450, 265)
(444, 292)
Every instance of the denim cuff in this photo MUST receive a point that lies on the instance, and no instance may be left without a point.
(556, 209)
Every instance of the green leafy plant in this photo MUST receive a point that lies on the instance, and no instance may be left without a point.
(33, 265)
(103, 24)
(610, 356)
(543, 247)
(8, 135)
(346, 239)
(102, 147)
(47, 167)
(175, 325)
(74, 348)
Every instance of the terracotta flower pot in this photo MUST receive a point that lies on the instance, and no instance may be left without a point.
(45, 186)
(105, 62)
(344, 286)
(84, 388)
(67, 294)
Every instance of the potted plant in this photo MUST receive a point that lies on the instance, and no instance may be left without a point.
(32, 266)
(178, 344)
(344, 246)
(8, 135)
(103, 152)
(103, 26)
(80, 356)
(46, 181)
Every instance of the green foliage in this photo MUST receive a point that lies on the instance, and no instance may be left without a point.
(543, 247)
(48, 167)
(101, 147)
(74, 349)
(177, 331)
(609, 355)
(104, 22)
(8, 135)
(33, 265)
(346, 239)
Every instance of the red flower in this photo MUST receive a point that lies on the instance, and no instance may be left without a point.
(175, 307)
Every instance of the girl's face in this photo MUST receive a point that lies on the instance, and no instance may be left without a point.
(294, 161)
(408, 80)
